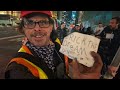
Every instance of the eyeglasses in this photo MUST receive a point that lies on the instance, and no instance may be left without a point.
(31, 24)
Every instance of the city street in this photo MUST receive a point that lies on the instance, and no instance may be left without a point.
(10, 42)
(104, 25)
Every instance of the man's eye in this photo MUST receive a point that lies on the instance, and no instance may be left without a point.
(30, 22)
(44, 22)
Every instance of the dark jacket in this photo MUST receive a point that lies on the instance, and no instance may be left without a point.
(108, 47)
(82, 30)
(18, 71)
(61, 33)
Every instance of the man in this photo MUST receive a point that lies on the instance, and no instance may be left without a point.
(110, 41)
(62, 31)
(99, 29)
(82, 29)
(76, 28)
(39, 58)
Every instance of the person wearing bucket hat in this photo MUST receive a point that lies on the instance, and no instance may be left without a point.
(39, 57)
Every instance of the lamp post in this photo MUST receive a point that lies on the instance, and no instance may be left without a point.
(11, 17)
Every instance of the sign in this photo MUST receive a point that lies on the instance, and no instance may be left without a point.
(109, 36)
(77, 45)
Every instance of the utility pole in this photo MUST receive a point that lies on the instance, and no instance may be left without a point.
(11, 17)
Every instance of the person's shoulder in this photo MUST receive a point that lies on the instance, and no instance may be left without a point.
(17, 71)
(107, 27)
(15, 65)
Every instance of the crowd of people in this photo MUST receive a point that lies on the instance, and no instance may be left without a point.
(39, 56)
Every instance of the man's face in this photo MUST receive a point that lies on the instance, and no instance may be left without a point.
(100, 25)
(39, 35)
(77, 27)
(113, 24)
(63, 26)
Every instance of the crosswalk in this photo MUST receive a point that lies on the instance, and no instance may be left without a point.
(16, 39)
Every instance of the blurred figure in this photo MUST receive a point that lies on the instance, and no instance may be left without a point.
(82, 29)
(62, 31)
(89, 31)
(71, 27)
(76, 28)
(99, 29)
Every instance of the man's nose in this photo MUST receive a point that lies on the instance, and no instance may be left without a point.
(37, 27)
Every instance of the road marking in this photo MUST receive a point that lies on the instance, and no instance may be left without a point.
(16, 39)
(11, 37)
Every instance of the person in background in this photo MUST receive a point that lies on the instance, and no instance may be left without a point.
(82, 29)
(72, 25)
(76, 28)
(89, 31)
(62, 31)
(110, 42)
(99, 29)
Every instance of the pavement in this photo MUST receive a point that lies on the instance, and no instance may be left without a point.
(10, 42)
(8, 31)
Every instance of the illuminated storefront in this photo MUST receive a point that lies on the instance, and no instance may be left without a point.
(12, 13)
(9, 17)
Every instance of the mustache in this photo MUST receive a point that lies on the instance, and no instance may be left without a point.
(38, 34)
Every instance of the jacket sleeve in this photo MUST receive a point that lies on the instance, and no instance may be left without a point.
(17, 71)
